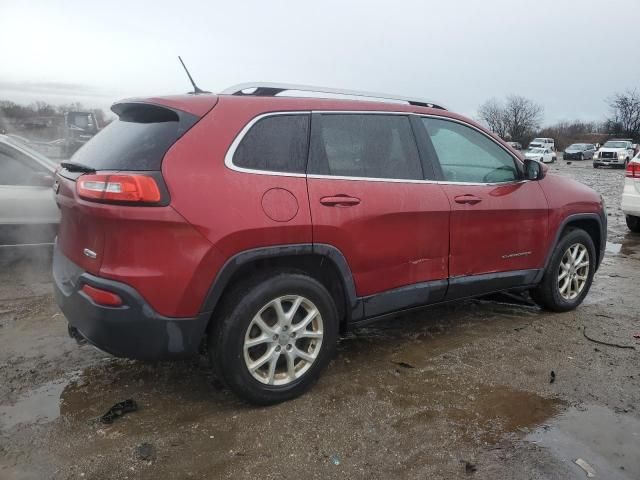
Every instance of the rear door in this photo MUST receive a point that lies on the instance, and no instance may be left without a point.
(498, 221)
(369, 199)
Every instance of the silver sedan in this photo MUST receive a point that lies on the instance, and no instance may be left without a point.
(28, 212)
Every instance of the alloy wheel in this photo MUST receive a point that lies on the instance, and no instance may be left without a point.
(573, 271)
(283, 340)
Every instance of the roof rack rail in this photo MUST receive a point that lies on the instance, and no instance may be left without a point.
(267, 89)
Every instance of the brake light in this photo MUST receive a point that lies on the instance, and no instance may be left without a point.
(633, 170)
(102, 297)
(118, 188)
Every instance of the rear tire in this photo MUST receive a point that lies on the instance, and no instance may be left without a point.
(263, 321)
(569, 275)
(633, 223)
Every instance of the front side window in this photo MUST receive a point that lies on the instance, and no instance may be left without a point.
(276, 143)
(365, 145)
(466, 155)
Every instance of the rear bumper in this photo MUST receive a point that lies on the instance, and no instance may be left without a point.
(133, 330)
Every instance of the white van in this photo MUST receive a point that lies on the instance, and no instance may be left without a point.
(549, 143)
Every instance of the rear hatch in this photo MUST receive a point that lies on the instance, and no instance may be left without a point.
(94, 190)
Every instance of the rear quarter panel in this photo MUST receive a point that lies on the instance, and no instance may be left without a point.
(223, 204)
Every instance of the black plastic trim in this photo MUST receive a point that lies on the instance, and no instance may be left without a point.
(133, 330)
(474, 285)
(404, 297)
(602, 223)
(426, 151)
(355, 310)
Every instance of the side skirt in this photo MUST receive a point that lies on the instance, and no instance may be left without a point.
(387, 304)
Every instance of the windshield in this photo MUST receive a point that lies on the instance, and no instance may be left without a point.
(537, 150)
(539, 140)
(615, 145)
(577, 146)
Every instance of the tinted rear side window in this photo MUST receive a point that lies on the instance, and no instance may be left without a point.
(137, 140)
(277, 143)
(365, 145)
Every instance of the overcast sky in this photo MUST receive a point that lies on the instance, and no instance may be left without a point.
(567, 55)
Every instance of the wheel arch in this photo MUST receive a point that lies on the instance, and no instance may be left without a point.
(324, 263)
(592, 223)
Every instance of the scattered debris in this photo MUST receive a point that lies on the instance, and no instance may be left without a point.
(552, 377)
(517, 329)
(118, 410)
(603, 315)
(569, 163)
(403, 364)
(469, 467)
(146, 451)
(584, 332)
(636, 335)
(335, 459)
(586, 467)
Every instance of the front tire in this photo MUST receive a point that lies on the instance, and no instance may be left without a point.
(633, 223)
(569, 274)
(581, 157)
(273, 338)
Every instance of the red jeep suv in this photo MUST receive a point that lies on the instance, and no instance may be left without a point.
(262, 225)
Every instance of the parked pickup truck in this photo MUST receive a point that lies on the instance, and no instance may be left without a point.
(614, 152)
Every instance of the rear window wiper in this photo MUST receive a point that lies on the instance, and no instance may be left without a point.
(77, 167)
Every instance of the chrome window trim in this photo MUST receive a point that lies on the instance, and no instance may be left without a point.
(228, 159)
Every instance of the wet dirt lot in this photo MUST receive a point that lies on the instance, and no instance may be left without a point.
(456, 391)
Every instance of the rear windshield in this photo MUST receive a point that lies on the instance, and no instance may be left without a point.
(137, 140)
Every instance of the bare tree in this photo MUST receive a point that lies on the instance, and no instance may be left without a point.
(516, 119)
(625, 114)
(491, 113)
(521, 116)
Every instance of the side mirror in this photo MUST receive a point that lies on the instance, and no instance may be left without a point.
(42, 180)
(533, 170)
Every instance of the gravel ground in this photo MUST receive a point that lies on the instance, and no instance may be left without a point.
(462, 390)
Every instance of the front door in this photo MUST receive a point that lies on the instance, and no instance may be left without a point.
(498, 221)
(369, 199)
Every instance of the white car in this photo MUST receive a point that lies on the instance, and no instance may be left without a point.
(631, 194)
(28, 212)
(616, 153)
(543, 155)
(549, 143)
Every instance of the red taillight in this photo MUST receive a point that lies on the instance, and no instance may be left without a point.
(102, 297)
(118, 188)
(633, 170)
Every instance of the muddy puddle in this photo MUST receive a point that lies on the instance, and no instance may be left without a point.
(609, 442)
(629, 247)
(40, 405)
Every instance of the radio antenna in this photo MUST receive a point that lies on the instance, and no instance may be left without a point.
(196, 90)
